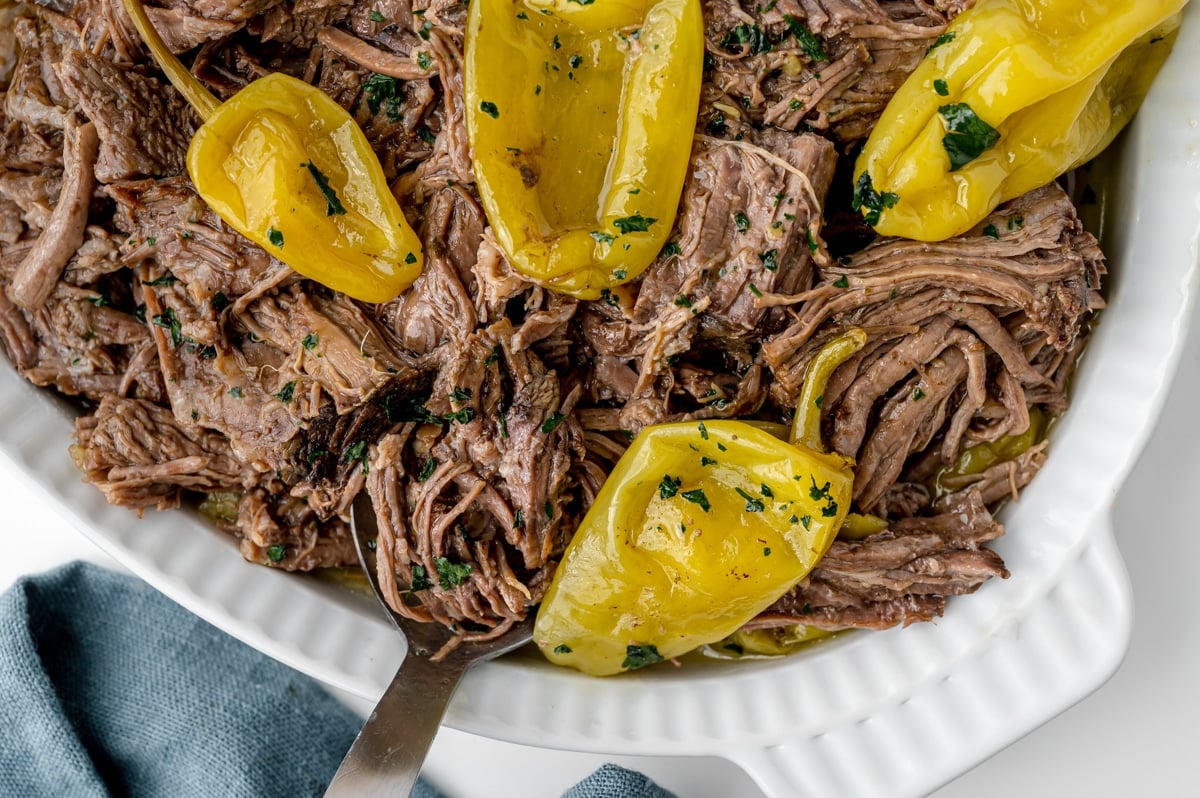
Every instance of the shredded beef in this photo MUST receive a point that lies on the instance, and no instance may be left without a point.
(480, 412)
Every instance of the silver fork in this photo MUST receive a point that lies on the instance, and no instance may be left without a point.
(387, 755)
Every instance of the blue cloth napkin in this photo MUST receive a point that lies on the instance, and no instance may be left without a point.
(109, 688)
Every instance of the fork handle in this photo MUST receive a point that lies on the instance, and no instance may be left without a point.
(387, 755)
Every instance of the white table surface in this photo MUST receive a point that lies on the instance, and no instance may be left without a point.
(1134, 736)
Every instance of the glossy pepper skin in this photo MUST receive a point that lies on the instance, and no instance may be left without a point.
(699, 527)
(288, 168)
(675, 553)
(1013, 94)
(581, 118)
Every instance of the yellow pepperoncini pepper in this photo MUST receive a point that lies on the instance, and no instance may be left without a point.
(1013, 94)
(580, 116)
(288, 168)
(699, 528)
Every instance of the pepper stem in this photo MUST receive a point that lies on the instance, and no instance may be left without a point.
(192, 90)
(806, 427)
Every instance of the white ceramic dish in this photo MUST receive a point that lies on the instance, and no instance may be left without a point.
(888, 714)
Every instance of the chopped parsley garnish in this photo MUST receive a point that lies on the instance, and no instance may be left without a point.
(419, 580)
(941, 88)
(519, 519)
(669, 486)
(1016, 222)
(450, 574)
(427, 469)
(333, 205)
(384, 91)
(703, 430)
(275, 237)
(286, 393)
(967, 136)
(276, 553)
(619, 274)
(459, 395)
(806, 521)
(99, 300)
(812, 240)
(707, 461)
(670, 248)
(356, 451)
(406, 408)
(842, 282)
(563, 648)
(426, 134)
(166, 279)
(493, 357)
(682, 302)
(815, 493)
(812, 46)
(169, 322)
(918, 395)
(753, 504)
(423, 60)
(309, 341)
(640, 656)
(697, 497)
(548, 509)
(551, 422)
(766, 491)
(945, 38)
(769, 261)
(742, 221)
(755, 290)
(766, 551)
(317, 454)
(716, 124)
(865, 196)
(490, 109)
(424, 30)
(751, 36)
(575, 61)
(463, 416)
(829, 510)
(603, 238)
(375, 16)
(634, 224)
(991, 232)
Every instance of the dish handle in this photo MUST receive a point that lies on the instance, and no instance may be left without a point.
(1083, 624)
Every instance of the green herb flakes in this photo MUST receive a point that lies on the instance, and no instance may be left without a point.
(450, 574)
(669, 486)
(865, 196)
(333, 205)
(634, 224)
(640, 656)
(967, 136)
(697, 497)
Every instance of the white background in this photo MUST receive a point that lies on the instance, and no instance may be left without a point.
(1136, 735)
